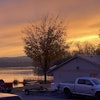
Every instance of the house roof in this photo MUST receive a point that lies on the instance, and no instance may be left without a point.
(91, 59)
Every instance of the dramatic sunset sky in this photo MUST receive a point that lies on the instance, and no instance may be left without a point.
(82, 16)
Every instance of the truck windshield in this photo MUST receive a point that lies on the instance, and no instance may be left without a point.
(96, 81)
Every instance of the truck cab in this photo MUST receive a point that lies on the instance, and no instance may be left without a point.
(83, 86)
(87, 86)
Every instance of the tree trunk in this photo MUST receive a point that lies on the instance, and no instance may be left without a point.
(45, 67)
(45, 72)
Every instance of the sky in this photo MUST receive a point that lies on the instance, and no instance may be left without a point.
(82, 17)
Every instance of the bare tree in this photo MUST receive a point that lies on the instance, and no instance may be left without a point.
(85, 48)
(98, 50)
(89, 48)
(98, 47)
(45, 42)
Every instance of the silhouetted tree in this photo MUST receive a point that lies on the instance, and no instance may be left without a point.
(45, 42)
(98, 50)
(85, 48)
(98, 47)
(89, 49)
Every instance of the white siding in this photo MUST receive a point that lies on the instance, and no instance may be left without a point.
(76, 68)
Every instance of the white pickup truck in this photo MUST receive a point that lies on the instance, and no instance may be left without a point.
(82, 86)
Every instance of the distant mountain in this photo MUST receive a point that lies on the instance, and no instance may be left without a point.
(21, 61)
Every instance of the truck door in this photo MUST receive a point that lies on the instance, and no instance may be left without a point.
(84, 87)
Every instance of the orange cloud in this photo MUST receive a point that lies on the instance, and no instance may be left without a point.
(12, 51)
(83, 17)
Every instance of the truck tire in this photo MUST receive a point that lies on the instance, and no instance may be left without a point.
(67, 93)
(97, 97)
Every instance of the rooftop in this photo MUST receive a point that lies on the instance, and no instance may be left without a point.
(92, 59)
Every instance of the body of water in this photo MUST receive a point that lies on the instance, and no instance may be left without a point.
(10, 74)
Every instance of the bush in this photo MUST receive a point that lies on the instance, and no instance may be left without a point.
(15, 82)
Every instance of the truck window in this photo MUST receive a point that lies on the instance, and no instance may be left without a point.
(81, 81)
(96, 81)
(85, 82)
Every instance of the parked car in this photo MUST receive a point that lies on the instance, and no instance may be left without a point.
(6, 96)
(83, 86)
(5, 87)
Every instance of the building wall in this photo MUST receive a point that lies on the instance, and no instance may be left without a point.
(76, 68)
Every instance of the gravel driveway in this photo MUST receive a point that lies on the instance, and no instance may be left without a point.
(45, 96)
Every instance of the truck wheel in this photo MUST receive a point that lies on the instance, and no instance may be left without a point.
(67, 93)
(97, 96)
(26, 92)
